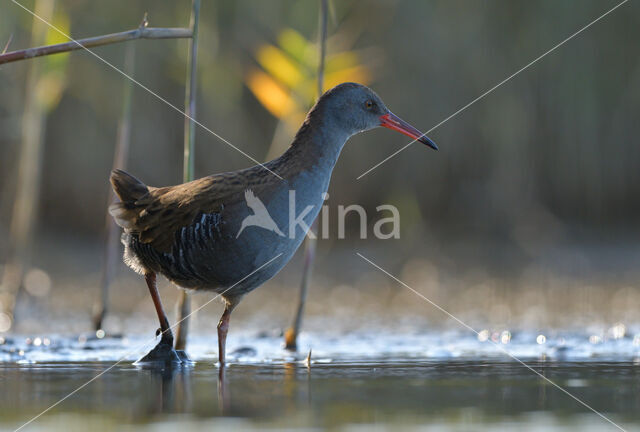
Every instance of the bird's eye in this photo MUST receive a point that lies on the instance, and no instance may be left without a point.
(368, 104)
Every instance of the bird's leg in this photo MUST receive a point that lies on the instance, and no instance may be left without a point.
(167, 336)
(163, 353)
(223, 328)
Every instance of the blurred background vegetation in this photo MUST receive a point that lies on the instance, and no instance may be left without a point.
(532, 203)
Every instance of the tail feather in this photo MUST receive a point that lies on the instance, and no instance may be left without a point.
(129, 189)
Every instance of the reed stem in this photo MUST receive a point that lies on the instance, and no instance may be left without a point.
(25, 206)
(184, 302)
(291, 335)
(141, 32)
(120, 156)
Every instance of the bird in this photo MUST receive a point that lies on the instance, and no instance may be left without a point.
(260, 217)
(195, 233)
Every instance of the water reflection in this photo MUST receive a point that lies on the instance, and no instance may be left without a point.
(325, 395)
(169, 389)
(297, 385)
(223, 391)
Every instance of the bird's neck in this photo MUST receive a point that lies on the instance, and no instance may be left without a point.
(316, 147)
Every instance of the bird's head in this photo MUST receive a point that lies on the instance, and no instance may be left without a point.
(356, 108)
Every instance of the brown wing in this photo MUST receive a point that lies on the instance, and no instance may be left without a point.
(158, 214)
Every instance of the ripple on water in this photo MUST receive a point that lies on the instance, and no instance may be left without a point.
(256, 348)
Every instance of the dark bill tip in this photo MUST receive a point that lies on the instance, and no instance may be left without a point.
(428, 141)
(393, 122)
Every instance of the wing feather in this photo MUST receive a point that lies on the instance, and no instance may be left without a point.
(157, 215)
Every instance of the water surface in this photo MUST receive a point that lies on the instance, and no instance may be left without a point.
(464, 384)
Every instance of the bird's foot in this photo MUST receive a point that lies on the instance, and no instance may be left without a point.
(184, 358)
(164, 354)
